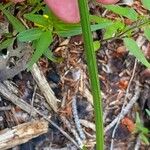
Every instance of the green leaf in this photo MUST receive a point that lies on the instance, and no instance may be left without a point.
(148, 112)
(29, 35)
(135, 50)
(96, 45)
(98, 19)
(14, 21)
(48, 53)
(6, 43)
(42, 45)
(146, 4)
(38, 19)
(147, 33)
(78, 30)
(139, 125)
(123, 11)
(138, 120)
(144, 139)
(115, 28)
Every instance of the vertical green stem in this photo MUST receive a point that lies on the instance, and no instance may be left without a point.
(93, 72)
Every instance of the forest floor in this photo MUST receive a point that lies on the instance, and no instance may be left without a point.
(51, 107)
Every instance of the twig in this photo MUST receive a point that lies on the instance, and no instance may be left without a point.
(4, 108)
(27, 108)
(73, 131)
(16, 100)
(33, 96)
(138, 143)
(76, 119)
(126, 109)
(87, 124)
(22, 133)
(125, 101)
(44, 87)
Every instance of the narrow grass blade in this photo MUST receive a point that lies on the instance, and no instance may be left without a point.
(136, 51)
(14, 21)
(93, 73)
(123, 11)
(41, 46)
(29, 35)
(78, 30)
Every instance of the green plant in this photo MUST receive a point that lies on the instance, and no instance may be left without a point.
(148, 112)
(46, 25)
(93, 73)
(144, 133)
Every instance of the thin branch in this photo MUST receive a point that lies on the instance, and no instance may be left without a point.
(28, 108)
(22, 133)
(44, 87)
(76, 119)
(126, 109)
(125, 101)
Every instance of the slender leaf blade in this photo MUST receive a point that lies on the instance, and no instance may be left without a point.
(147, 33)
(37, 19)
(93, 72)
(49, 54)
(14, 21)
(78, 30)
(148, 112)
(123, 11)
(146, 4)
(41, 46)
(29, 35)
(6, 43)
(135, 50)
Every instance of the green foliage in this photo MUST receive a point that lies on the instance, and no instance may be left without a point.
(13, 20)
(96, 45)
(30, 35)
(6, 43)
(123, 11)
(135, 50)
(42, 45)
(148, 112)
(38, 19)
(147, 33)
(141, 130)
(146, 4)
(47, 25)
(78, 30)
(48, 53)
(116, 26)
(93, 72)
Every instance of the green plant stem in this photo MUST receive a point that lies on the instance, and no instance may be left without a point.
(93, 72)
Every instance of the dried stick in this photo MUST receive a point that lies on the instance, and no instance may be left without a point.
(44, 87)
(76, 119)
(73, 131)
(22, 133)
(138, 143)
(126, 109)
(87, 124)
(125, 101)
(28, 108)
(16, 100)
